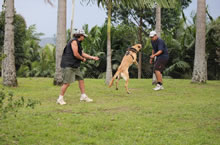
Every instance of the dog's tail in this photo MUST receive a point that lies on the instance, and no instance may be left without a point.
(112, 81)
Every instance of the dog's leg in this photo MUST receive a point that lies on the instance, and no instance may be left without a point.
(125, 76)
(136, 63)
(112, 81)
(117, 81)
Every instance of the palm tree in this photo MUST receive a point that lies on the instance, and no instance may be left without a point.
(60, 40)
(109, 51)
(8, 65)
(72, 19)
(158, 30)
(200, 62)
(140, 41)
(108, 4)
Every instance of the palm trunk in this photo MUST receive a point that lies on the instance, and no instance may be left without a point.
(8, 65)
(158, 20)
(140, 41)
(60, 40)
(72, 19)
(158, 30)
(200, 62)
(109, 52)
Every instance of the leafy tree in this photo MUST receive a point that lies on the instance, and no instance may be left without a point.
(170, 16)
(31, 51)
(43, 66)
(95, 44)
(213, 49)
(178, 66)
(20, 30)
(20, 38)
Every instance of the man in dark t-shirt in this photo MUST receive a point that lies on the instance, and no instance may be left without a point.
(161, 53)
(71, 59)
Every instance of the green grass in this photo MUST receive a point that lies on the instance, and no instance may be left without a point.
(181, 114)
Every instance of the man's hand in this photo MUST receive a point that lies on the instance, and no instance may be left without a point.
(152, 56)
(84, 59)
(95, 58)
(151, 60)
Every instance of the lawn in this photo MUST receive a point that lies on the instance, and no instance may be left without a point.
(181, 114)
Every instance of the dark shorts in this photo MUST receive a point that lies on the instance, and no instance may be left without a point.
(71, 74)
(160, 64)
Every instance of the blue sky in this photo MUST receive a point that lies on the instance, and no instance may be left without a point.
(45, 17)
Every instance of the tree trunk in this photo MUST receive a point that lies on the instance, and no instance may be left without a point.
(158, 30)
(140, 41)
(60, 40)
(109, 51)
(200, 62)
(8, 65)
(72, 19)
(158, 21)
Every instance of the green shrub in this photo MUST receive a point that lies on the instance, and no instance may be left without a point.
(10, 104)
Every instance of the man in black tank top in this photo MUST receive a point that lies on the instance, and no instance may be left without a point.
(70, 64)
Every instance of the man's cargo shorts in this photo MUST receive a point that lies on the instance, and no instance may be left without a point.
(71, 74)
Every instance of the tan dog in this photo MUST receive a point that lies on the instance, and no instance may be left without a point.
(129, 58)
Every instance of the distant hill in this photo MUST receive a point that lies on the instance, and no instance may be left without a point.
(47, 40)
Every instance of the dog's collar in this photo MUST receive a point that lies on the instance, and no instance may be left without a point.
(132, 49)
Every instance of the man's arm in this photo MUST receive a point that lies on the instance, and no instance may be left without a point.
(156, 54)
(75, 51)
(151, 59)
(89, 56)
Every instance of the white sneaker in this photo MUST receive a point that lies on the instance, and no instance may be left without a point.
(158, 87)
(61, 102)
(85, 98)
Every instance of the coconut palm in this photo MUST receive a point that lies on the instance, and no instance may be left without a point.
(8, 65)
(158, 30)
(72, 19)
(60, 39)
(140, 41)
(200, 62)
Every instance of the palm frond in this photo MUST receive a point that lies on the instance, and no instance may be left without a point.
(180, 65)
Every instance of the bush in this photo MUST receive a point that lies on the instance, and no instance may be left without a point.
(11, 104)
